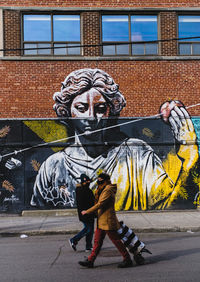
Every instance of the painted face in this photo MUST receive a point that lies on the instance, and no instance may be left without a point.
(89, 108)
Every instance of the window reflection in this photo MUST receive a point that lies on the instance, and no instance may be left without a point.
(115, 28)
(30, 52)
(143, 28)
(60, 51)
(129, 29)
(66, 28)
(185, 49)
(42, 31)
(43, 51)
(122, 49)
(37, 27)
(74, 51)
(151, 49)
(67, 49)
(109, 50)
(138, 49)
(189, 26)
(196, 49)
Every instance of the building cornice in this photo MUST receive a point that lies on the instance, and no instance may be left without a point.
(102, 9)
(109, 58)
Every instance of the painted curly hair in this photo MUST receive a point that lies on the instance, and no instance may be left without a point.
(79, 81)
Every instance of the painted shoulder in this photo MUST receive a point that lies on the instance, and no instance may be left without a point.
(55, 158)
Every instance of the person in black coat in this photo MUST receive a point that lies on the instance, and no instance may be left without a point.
(85, 200)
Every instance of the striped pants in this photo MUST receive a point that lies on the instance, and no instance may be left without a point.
(129, 239)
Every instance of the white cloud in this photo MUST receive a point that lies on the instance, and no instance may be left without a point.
(66, 18)
(48, 18)
(189, 20)
(115, 19)
(37, 18)
(144, 19)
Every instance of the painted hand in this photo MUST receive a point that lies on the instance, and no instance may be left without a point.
(175, 114)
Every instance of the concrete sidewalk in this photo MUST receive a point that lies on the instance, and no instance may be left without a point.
(66, 221)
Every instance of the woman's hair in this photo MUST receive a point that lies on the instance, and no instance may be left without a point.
(79, 81)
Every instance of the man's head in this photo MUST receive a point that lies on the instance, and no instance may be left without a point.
(103, 177)
(85, 180)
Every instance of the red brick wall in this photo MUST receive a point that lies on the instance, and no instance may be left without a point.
(12, 39)
(168, 28)
(26, 87)
(102, 3)
(91, 32)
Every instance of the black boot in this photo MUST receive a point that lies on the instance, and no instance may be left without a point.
(139, 259)
(87, 263)
(144, 250)
(125, 263)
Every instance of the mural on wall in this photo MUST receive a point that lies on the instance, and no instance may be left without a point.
(144, 182)
(155, 162)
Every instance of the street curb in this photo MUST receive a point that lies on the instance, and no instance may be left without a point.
(67, 212)
(73, 212)
(37, 233)
(65, 232)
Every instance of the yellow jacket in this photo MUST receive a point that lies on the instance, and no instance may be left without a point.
(105, 207)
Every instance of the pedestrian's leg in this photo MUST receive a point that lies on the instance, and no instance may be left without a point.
(89, 235)
(114, 237)
(132, 242)
(80, 235)
(98, 242)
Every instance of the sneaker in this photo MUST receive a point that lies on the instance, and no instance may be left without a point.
(87, 263)
(139, 259)
(72, 244)
(88, 250)
(125, 263)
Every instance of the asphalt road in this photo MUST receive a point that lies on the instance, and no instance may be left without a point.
(176, 257)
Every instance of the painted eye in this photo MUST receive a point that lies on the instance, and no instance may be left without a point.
(101, 108)
(81, 108)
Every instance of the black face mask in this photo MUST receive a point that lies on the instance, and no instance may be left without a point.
(100, 181)
(85, 184)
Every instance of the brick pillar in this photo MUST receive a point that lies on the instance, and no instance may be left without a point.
(1, 32)
(168, 27)
(91, 32)
(12, 38)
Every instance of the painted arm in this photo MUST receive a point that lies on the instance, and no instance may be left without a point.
(187, 154)
(182, 128)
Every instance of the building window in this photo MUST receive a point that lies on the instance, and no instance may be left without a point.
(189, 26)
(51, 34)
(124, 34)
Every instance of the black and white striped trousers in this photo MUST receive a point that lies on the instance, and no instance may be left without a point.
(130, 240)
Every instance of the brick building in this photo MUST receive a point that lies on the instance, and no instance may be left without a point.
(151, 49)
(151, 76)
